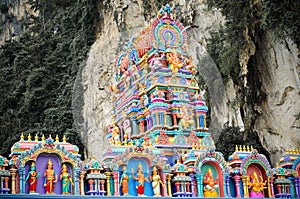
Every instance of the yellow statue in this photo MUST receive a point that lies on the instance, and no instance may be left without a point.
(115, 134)
(256, 187)
(186, 119)
(174, 61)
(210, 185)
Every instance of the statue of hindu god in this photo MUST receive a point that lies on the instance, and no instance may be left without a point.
(50, 178)
(256, 186)
(210, 185)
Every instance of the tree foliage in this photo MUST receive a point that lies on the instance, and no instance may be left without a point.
(38, 70)
(250, 18)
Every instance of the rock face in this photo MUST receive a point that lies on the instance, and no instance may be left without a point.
(12, 14)
(274, 117)
(277, 121)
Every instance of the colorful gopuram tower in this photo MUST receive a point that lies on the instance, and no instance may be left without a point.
(159, 117)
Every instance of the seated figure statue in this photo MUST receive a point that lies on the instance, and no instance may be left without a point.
(210, 185)
(256, 187)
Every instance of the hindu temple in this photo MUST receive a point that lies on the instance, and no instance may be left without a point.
(159, 142)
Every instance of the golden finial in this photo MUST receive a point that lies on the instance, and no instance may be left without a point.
(56, 138)
(36, 138)
(33, 164)
(244, 148)
(294, 151)
(248, 148)
(22, 137)
(291, 151)
(49, 162)
(50, 136)
(119, 143)
(251, 148)
(131, 143)
(64, 138)
(297, 151)
(236, 148)
(43, 138)
(29, 137)
(240, 148)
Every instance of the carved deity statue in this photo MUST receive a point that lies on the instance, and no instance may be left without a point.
(256, 186)
(186, 118)
(210, 185)
(124, 182)
(156, 182)
(140, 180)
(66, 180)
(50, 178)
(32, 176)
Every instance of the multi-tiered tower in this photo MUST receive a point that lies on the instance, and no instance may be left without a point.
(160, 112)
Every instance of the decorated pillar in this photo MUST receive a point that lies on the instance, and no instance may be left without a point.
(199, 178)
(102, 187)
(81, 181)
(21, 171)
(116, 183)
(174, 116)
(157, 118)
(91, 182)
(192, 184)
(13, 172)
(197, 121)
(227, 188)
(245, 180)
(6, 179)
(169, 184)
(108, 183)
(76, 181)
(237, 185)
(271, 187)
(133, 122)
(164, 177)
(296, 180)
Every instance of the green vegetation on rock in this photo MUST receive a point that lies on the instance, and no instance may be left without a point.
(38, 70)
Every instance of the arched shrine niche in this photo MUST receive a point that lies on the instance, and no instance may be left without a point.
(41, 164)
(256, 172)
(213, 183)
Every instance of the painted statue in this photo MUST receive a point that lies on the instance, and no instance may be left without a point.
(115, 134)
(186, 118)
(156, 182)
(66, 180)
(50, 178)
(32, 176)
(210, 185)
(256, 187)
(140, 180)
(124, 182)
(174, 62)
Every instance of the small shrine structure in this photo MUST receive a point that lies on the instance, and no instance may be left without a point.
(36, 166)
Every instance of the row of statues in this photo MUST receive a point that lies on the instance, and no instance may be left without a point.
(255, 185)
(50, 178)
(140, 180)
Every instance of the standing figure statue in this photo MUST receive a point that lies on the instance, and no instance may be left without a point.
(256, 187)
(32, 176)
(66, 180)
(210, 185)
(50, 178)
(124, 182)
(156, 182)
(140, 180)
